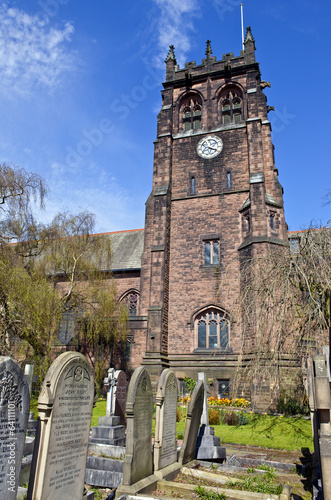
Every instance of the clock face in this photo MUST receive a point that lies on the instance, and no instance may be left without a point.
(209, 146)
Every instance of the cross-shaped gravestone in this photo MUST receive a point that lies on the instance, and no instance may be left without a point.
(110, 382)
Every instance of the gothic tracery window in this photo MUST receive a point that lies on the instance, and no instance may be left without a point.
(131, 299)
(190, 110)
(212, 330)
(231, 106)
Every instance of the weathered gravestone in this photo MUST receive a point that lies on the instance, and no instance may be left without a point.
(14, 413)
(165, 444)
(194, 411)
(65, 408)
(138, 462)
(320, 407)
(119, 397)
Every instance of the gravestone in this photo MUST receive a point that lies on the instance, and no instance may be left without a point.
(14, 413)
(194, 412)
(109, 430)
(165, 444)
(204, 416)
(65, 408)
(208, 445)
(138, 462)
(119, 403)
(108, 437)
(28, 372)
(320, 407)
(110, 382)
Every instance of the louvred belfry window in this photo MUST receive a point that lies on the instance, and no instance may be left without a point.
(191, 112)
(231, 106)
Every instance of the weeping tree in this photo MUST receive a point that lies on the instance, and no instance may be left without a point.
(284, 304)
(47, 270)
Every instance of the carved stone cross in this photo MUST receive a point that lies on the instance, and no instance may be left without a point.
(110, 382)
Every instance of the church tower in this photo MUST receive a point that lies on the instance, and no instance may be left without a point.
(216, 200)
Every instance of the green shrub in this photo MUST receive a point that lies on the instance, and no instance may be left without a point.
(234, 418)
(190, 384)
(291, 406)
(230, 418)
(242, 419)
(214, 416)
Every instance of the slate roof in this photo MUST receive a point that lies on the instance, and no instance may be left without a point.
(126, 249)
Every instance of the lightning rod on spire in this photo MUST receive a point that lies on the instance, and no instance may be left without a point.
(242, 25)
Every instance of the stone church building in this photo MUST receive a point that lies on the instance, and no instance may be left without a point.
(215, 201)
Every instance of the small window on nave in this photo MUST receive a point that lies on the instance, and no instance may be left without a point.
(212, 253)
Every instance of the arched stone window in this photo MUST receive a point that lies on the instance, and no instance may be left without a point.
(131, 299)
(231, 105)
(190, 112)
(212, 329)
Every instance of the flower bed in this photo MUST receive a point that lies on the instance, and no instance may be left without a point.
(220, 402)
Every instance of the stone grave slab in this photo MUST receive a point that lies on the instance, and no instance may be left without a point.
(65, 408)
(138, 462)
(194, 412)
(14, 414)
(165, 443)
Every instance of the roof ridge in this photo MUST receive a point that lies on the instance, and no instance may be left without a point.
(116, 232)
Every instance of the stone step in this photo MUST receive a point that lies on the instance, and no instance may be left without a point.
(103, 431)
(103, 472)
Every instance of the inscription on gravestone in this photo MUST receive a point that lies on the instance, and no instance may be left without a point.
(14, 413)
(65, 409)
(165, 445)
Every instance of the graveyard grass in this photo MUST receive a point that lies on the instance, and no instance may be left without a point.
(268, 431)
(262, 430)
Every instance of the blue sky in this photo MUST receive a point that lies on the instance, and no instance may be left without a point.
(80, 91)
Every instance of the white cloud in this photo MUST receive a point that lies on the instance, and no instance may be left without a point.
(174, 27)
(32, 52)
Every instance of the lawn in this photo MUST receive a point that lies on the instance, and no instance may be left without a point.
(266, 430)
(262, 430)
